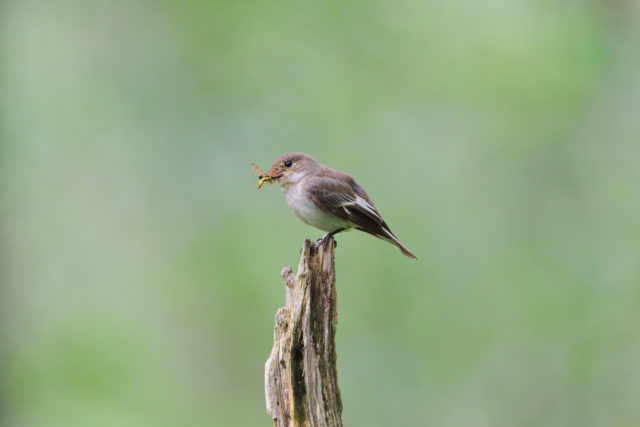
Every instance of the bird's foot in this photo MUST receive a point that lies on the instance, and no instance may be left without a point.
(324, 239)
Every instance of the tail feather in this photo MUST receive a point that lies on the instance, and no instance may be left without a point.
(391, 238)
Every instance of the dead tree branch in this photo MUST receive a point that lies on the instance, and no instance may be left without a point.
(301, 380)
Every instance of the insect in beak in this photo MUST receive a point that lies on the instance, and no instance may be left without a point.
(264, 177)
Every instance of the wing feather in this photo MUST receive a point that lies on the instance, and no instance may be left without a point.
(346, 200)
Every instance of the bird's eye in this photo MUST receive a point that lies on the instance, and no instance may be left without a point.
(288, 163)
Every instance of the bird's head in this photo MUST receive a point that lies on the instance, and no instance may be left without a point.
(290, 168)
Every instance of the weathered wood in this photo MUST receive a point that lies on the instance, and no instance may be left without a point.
(301, 380)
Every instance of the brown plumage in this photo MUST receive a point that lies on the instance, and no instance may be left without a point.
(329, 199)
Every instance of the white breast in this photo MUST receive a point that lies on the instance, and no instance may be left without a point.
(304, 208)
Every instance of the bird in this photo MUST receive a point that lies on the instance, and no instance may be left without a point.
(328, 199)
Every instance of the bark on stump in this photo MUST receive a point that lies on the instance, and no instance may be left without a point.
(301, 381)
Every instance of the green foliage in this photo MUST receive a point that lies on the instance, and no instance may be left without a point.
(141, 266)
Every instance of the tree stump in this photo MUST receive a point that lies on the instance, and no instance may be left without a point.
(301, 380)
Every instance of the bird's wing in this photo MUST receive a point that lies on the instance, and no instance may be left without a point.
(346, 200)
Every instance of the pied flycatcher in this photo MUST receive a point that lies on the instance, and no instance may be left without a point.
(328, 199)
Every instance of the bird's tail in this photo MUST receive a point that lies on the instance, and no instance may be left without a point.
(391, 238)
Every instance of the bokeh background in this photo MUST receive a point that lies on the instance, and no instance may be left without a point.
(140, 265)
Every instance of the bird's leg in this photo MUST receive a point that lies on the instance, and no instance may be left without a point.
(329, 235)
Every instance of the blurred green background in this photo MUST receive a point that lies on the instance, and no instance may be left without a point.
(140, 265)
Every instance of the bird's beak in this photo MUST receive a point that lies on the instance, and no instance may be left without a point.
(274, 174)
